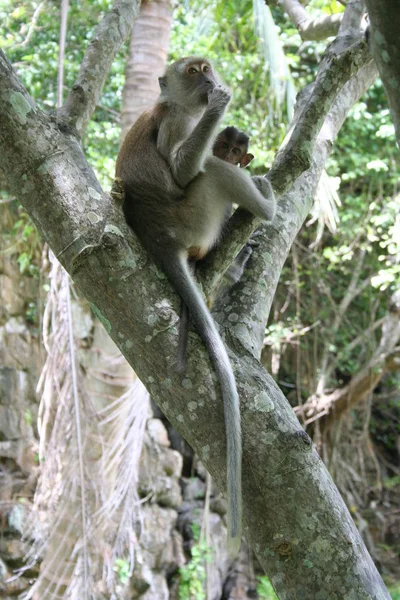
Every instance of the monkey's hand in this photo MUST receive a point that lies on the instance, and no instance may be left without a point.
(218, 99)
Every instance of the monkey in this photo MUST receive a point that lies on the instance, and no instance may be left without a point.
(230, 145)
(176, 197)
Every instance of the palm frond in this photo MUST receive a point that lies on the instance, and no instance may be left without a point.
(86, 505)
(281, 80)
(325, 207)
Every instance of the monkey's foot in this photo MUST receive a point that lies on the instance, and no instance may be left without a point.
(263, 185)
(117, 192)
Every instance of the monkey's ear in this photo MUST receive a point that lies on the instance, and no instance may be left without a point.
(246, 160)
(163, 83)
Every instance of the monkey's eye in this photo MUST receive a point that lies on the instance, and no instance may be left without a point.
(206, 69)
(225, 145)
(192, 70)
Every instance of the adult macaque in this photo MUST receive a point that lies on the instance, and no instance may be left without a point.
(176, 199)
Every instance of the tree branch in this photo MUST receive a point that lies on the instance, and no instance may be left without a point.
(352, 18)
(110, 34)
(385, 44)
(32, 26)
(292, 509)
(328, 408)
(339, 64)
(309, 28)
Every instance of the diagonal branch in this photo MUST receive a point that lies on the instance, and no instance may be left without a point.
(261, 275)
(339, 64)
(110, 34)
(311, 28)
(328, 408)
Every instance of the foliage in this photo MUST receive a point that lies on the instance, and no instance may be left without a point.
(123, 569)
(395, 592)
(265, 590)
(192, 576)
(37, 62)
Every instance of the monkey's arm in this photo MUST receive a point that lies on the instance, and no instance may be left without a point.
(186, 156)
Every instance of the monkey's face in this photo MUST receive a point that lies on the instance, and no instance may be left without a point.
(229, 152)
(231, 146)
(189, 80)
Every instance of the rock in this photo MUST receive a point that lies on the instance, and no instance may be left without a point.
(142, 577)
(159, 472)
(3, 570)
(241, 582)
(16, 351)
(194, 489)
(158, 432)
(219, 563)
(158, 589)
(156, 539)
(13, 552)
(10, 297)
(17, 516)
(16, 325)
(200, 469)
(9, 265)
(219, 505)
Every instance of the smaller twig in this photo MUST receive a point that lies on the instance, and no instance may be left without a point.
(32, 26)
(352, 18)
(109, 35)
(309, 28)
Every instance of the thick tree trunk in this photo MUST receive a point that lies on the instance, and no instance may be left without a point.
(385, 44)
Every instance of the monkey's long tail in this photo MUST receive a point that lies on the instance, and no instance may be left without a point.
(179, 274)
(183, 334)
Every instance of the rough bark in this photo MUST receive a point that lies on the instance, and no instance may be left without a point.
(294, 517)
(385, 45)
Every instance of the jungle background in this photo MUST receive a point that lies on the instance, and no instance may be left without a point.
(326, 345)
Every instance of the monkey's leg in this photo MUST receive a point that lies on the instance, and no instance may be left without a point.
(230, 184)
(117, 191)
